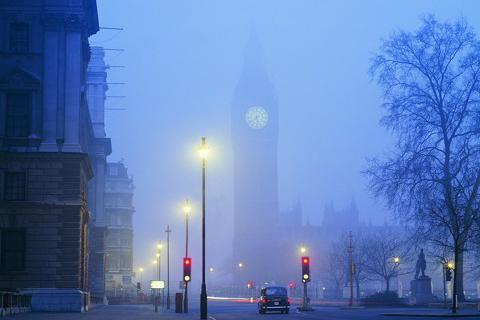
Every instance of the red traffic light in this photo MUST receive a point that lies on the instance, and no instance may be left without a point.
(305, 269)
(291, 285)
(187, 269)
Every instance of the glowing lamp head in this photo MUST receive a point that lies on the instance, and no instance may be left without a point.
(187, 207)
(158, 255)
(154, 261)
(450, 264)
(240, 265)
(187, 278)
(203, 150)
(141, 269)
(396, 259)
(303, 249)
(159, 246)
(211, 270)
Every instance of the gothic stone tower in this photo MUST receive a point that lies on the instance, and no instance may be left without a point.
(254, 137)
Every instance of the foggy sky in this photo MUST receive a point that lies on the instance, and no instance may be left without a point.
(182, 61)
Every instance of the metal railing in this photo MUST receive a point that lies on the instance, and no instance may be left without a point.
(14, 302)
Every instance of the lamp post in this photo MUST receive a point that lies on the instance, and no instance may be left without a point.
(396, 261)
(210, 279)
(154, 268)
(350, 251)
(203, 151)
(141, 276)
(153, 290)
(168, 266)
(186, 207)
(159, 259)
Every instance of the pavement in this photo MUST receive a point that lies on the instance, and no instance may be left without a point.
(238, 310)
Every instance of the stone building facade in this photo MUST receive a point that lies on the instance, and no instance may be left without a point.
(119, 211)
(46, 135)
(99, 150)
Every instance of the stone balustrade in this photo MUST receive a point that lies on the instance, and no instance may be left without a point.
(14, 302)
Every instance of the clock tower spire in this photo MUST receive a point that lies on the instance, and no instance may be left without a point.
(255, 138)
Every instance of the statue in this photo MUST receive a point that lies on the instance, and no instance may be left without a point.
(421, 264)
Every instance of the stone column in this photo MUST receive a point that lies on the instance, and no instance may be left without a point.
(100, 190)
(73, 74)
(50, 85)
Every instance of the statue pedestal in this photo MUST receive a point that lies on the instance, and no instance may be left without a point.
(421, 291)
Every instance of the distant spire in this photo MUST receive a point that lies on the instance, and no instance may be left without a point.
(308, 222)
(253, 64)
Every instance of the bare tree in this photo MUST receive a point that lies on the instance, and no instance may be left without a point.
(386, 255)
(430, 81)
(340, 246)
(333, 267)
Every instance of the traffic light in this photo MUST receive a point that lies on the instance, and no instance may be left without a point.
(291, 286)
(139, 286)
(448, 274)
(305, 269)
(187, 269)
(249, 285)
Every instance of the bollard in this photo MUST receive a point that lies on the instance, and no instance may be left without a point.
(178, 302)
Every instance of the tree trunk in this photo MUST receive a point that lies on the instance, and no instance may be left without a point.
(387, 281)
(459, 271)
(336, 289)
(357, 285)
(455, 277)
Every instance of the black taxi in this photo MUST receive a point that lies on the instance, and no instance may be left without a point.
(274, 299)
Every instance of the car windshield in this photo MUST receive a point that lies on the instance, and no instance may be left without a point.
(276, 291)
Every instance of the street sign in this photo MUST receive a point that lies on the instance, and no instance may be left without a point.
(157, 284)
(181, 285)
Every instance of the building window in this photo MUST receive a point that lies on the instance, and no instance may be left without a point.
(18, 115)
(19, 37)
(15, 186)
(12, 250)
(113, 171)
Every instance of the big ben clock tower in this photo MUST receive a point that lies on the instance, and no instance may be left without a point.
(254, 137)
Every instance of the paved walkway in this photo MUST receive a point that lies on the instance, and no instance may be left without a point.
(130, 312)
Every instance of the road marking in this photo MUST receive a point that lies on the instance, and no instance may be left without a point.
(212, 318)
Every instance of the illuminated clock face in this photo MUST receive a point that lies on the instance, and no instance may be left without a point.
(256, 117)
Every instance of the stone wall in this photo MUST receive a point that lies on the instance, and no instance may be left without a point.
(54, 216)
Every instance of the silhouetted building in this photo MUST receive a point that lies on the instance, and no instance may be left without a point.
(118, 213)
(254, 140)
(101, 148)
(267, 241)
(45, 137)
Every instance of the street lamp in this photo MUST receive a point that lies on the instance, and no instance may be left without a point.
(396, 261)
(303, 249)
(186, 208)
(168, 266)
(211, 270)
(240, 265)
(141, 276)
(154, 268)
(203, 151)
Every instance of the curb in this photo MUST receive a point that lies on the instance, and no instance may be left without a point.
(466, 315)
